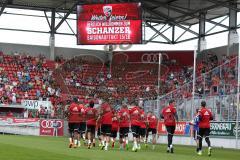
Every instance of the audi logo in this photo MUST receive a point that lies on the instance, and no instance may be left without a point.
(124, 45)
(50, 123)
(152, 57)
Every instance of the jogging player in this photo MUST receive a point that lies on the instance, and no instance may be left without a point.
(143, 128)
(152, 127)
(205, 116)
(106, 116)
(124, 123)
(115, 127)
(169, 114)
(73, 123)
(195, 127)
(91, 116)
(82, 124)
(135, 115)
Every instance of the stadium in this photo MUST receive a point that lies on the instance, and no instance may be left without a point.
(119, 79)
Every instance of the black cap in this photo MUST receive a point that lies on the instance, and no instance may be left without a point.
(75, 99)
(197, 110)
(171, 101)
(203, 104)
(91, 104)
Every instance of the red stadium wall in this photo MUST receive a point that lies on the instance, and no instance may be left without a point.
(183, 57)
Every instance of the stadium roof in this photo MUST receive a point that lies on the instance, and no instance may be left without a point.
(177, 13)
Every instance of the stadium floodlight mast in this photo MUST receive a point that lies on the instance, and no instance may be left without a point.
(159, 79)
(194, 79)
(238, 90)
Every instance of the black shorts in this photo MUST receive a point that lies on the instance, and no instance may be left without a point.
(73, 127)
(106, 129)
(82, 127)
(203, 132)
(123, 131)
(153, 130)
(135, 131)
(91, 129)
(99, 131)
(171, 129)
(142, 132)
(114, 134)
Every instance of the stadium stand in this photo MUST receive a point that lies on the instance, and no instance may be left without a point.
(86, 77)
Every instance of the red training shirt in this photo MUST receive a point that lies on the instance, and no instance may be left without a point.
(135, 115)
(82, 115)
(153, 121)
(168, 114)
(115, 123)
(205, 116)
(74, 112)
(124, 118)
(91, 116)
(143, 119)
(107, 114)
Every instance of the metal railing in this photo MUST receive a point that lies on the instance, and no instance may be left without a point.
(217, 87)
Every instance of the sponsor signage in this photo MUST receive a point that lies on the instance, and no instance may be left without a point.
(180, 128)
(30, 122)
(35, 104)
(224, 129)
(109, 24)
(227, 129)
(51, 127)
(153, 56)
(46, 127)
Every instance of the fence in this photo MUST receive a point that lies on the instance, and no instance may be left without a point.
(223, 107)
(218, 87)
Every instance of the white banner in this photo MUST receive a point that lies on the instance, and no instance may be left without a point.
(35, 104)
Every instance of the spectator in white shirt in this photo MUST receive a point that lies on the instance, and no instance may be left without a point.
(14, 98)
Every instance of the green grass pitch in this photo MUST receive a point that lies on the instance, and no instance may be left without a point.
(51, 148)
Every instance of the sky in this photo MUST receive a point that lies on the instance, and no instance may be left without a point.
(40, 23)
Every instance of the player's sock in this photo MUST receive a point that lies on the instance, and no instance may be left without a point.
(121, 146)
(153, 147)
(134, 146)
(139, 146)
(70, 140)
(146, 145)
(89, 144)
(106, 146)
(79, 143)
(209, 151)
(126, 144)
(200, 144)
(199, 152)
(70, 143)
(103, 143)
(75, 143)
(171, 148)
(84, 137)
(168, 149)
(113, 143)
